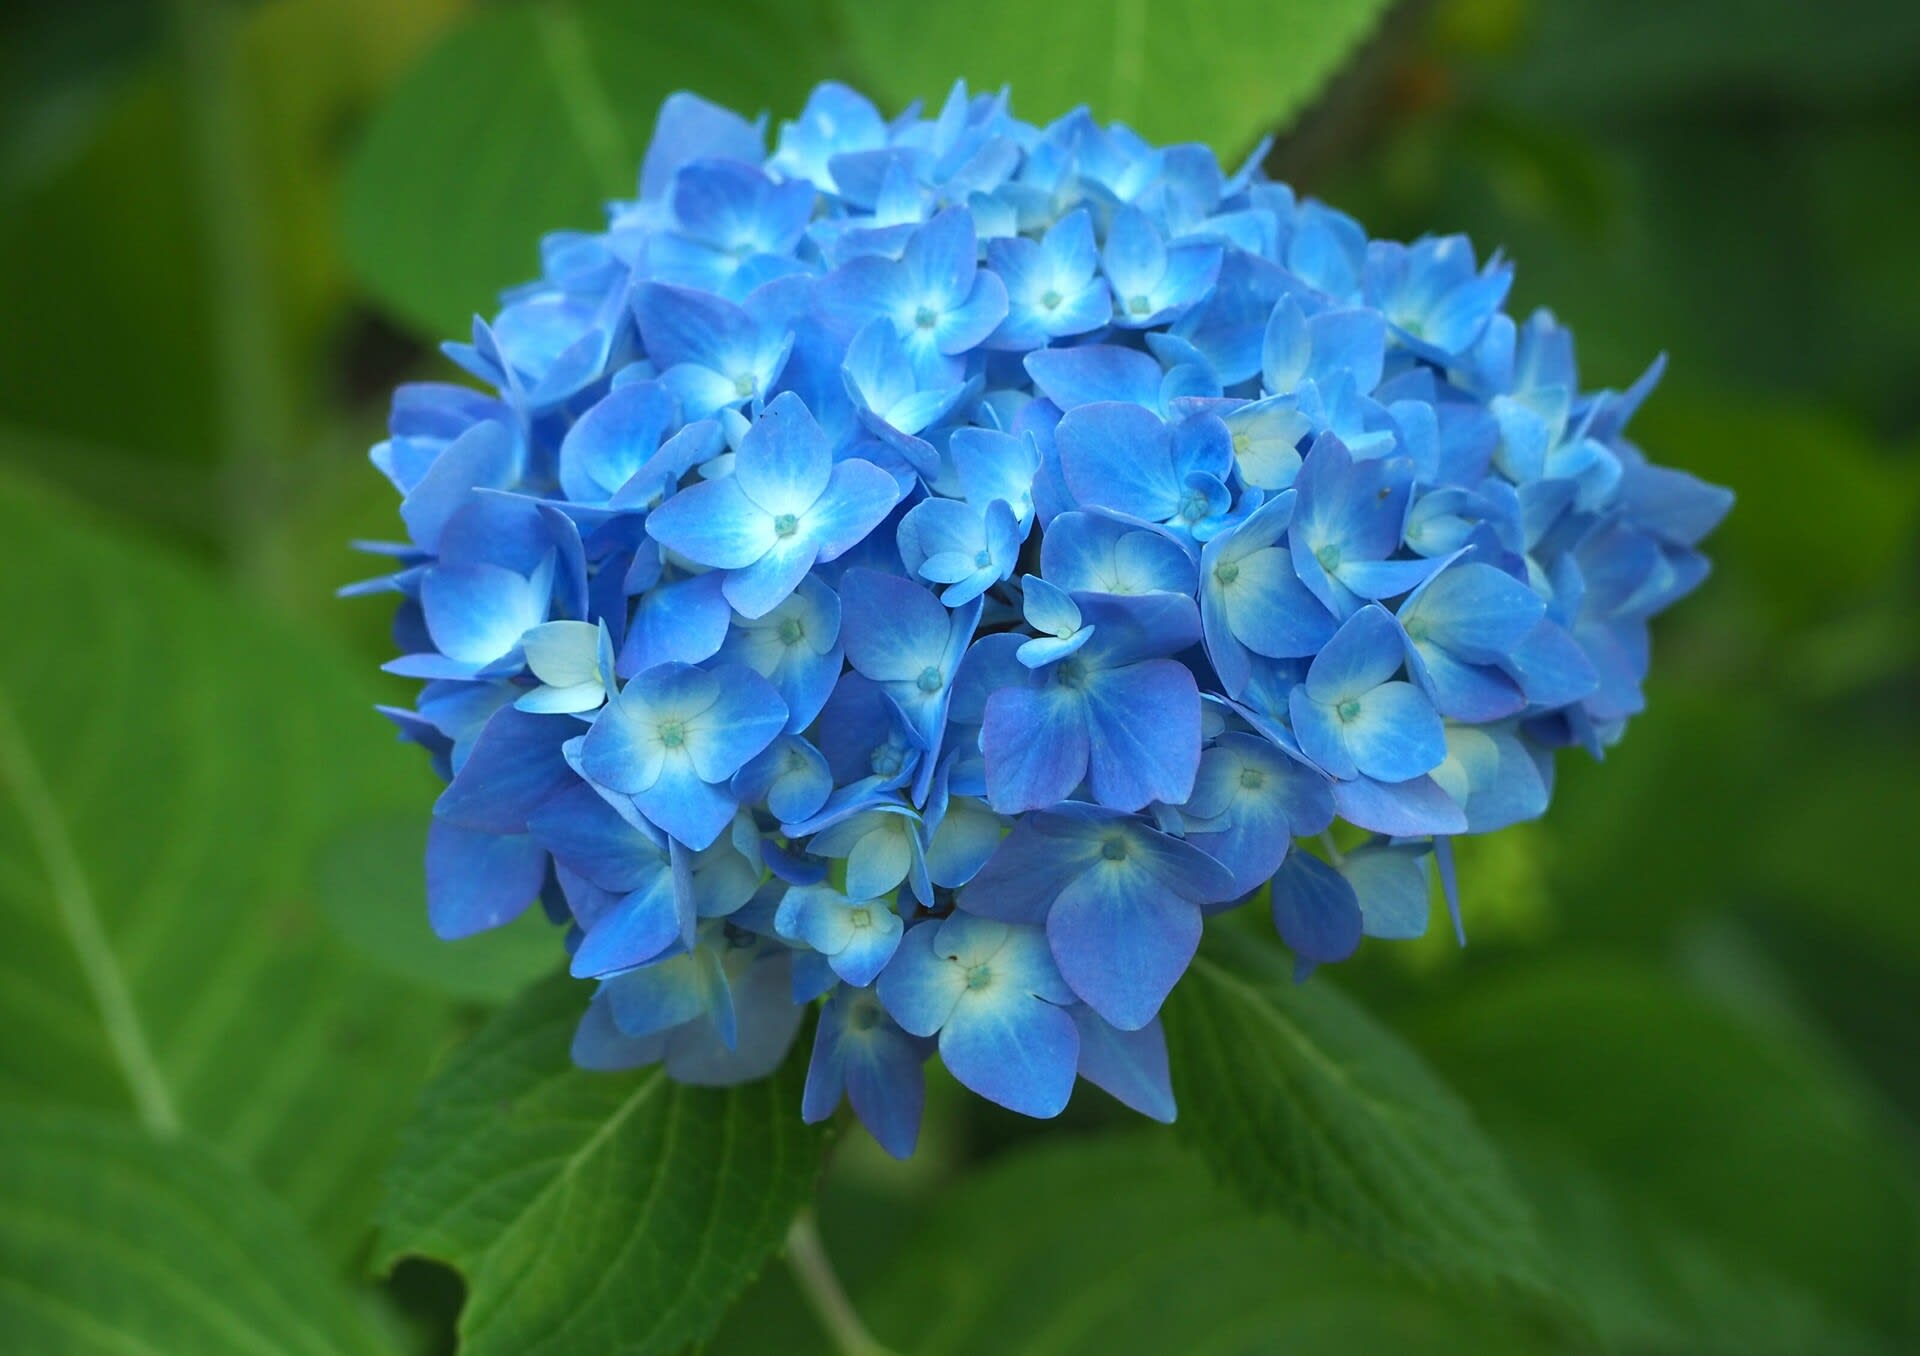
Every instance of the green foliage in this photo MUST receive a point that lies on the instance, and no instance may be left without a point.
(1694, 1169)
(114, 1241)
(1218, 71)
(1112, 1245)
(159, 955)
(592, 1213)
(1304, 1104)
(1602, 53)
(111, 188)
(527, 118)
(1763, 451)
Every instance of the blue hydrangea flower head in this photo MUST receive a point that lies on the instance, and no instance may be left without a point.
(922, 569)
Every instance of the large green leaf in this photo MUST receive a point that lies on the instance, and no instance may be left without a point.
(170, 764)
(232, 173)
(528, 117)
(1624, 57)
(1863, 507)
(113, 1243)
(1305, 1104)
(592, 1213)
(1219, 71)
(1111, 1246)
(1711, 1184)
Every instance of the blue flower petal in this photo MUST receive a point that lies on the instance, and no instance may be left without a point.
(1143, 727)
(1037, 746)
(1132, 1065)
(714, 523)
(1013, 1049)
(1122, 941)
(478, 880)
(1316, 910)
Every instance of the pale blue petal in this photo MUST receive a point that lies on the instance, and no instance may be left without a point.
(1412, 808)
(1044, 650)
(1131, 1065)
(745, 717)
(858, 497)
(515, 764)
(967, 836)
(870, 946)
(715, 524)
(1396, 735)
(1384, 578)
(613, 440)
(1143, 727)
(638, 928)
(1119, 456)
(1315, 910)
(622, 751)
(684, 622)
(1391, 886)
(1365, 652)
(477, 613)
(681, 804)
(816, 915)
(1012, 1049)
(1088, 553)
(1048, 609)
(1037, 746)
(1071, 377)
(477, 881)
(785, 460)
(881, 858)
(667, 993)
(920, 987)
(967, 325)
(1122, 941)
(1270, 611)
(770, 581)
(893, 629)
(1318, 728)
(563, 653)
(700, 391)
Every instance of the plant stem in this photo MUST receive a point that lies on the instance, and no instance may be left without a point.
(811, 1267)
(254, 403)
(1333, 849)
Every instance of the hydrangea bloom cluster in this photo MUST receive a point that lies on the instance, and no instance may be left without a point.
(924, 570)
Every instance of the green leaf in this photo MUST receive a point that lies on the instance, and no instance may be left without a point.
(528, 117)
(1863, 508)
(1713, 1184)
(292, 74)
(170, 763)
(116, 1243)
(1218, 71)
(371, 883)
(1304, 1104)
(1621, 56)
(1109, 1246)
(592, 1213)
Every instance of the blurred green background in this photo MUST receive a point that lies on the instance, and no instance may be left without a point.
(1688, 1011)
